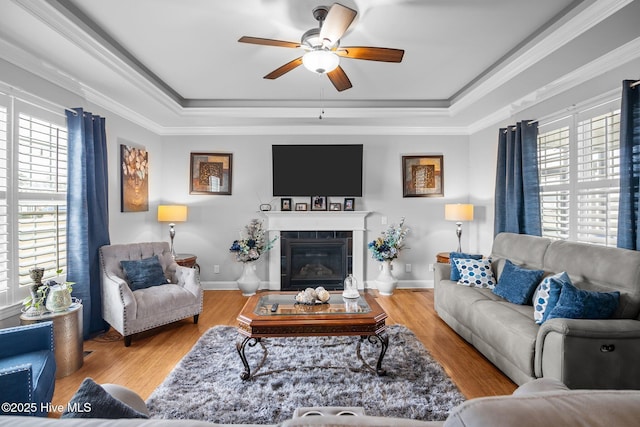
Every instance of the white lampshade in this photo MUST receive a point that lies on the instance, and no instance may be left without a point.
(172, 213)
(320, 61)
(458, 212)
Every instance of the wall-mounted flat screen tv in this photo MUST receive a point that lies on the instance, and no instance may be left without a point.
(317, 170)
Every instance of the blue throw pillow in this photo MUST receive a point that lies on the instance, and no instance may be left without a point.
(517, 284)
(144, 273)
(547, 294)
(455, 274)
(577, 303)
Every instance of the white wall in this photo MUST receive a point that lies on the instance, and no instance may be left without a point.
(215, 221)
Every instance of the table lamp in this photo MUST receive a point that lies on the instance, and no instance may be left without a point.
(172, 214)
(458, 212)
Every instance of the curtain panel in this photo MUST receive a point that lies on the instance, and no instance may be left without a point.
(87, 213)
(517, 192)
(629, 206)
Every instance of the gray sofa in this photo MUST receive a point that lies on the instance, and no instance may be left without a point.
(538, 403)
(581, 353)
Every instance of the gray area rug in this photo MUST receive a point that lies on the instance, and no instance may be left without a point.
(303, 372)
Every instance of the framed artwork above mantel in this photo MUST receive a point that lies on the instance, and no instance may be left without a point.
(423, 176)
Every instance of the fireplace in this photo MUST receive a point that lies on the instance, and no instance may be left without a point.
(320, 226)
(315, 258)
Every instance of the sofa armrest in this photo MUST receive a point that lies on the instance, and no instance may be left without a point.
(584, 353)
(16, 386)
(442, 272)
(26, 339)
(117, 300)
(189, 279)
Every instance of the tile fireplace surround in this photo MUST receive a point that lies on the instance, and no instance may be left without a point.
(353, 221)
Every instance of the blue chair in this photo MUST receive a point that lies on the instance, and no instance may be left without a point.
(27, 369)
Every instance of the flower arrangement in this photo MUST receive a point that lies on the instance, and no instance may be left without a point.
(387, 247)
(253, 244)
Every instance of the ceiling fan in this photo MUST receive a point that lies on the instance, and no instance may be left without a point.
(323, 49)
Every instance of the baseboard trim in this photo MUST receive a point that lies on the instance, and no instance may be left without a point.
(232, 285)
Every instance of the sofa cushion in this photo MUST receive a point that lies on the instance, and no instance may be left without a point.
(577, 303)
(143, 273)
(517, 284)
(92, 401)
(475, 272)
(547, 294)
(455, 274)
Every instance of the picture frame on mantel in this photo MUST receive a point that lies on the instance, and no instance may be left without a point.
(423, 176)
(349, 204)
(211, 173)
(318, 203)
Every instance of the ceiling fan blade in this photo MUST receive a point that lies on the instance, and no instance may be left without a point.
(284, 69)
(268, 42)
(339, 79)
(383, 54)
(336, 23)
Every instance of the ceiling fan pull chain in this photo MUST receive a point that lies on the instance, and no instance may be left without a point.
(321, 101)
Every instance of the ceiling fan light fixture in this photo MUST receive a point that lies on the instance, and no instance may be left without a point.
(320, 61)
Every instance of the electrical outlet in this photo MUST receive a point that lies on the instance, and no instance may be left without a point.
(383, 220)
(431, 267)
(216, 269)
(407, 268)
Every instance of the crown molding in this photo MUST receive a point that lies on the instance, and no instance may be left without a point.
(613, 59)
(550, 40)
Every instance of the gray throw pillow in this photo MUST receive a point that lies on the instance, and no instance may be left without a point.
(92, 401)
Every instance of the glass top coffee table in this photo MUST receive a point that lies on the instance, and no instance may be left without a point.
(359, 317)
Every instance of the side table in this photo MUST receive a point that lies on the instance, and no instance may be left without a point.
(442, 257)
(187, 260)
(67, 337)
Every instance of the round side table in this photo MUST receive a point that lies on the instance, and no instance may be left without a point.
(67, 337)
(187, 260)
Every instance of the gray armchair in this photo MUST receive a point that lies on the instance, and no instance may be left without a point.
(131, 311)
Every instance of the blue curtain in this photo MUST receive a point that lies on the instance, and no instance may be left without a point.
(87, 212)
(517, 195)
(629, 207)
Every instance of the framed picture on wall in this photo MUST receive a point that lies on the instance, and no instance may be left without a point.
(210, 173)
(423, 176)
(134, 179)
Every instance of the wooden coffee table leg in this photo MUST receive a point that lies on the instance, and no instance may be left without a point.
(240, 346)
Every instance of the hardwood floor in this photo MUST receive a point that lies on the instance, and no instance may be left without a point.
(153, 354)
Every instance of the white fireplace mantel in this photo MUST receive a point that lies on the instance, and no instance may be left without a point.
(353, 221)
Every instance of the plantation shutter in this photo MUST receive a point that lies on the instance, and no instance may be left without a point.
(4, 219)
(598, 178)
(42, 182)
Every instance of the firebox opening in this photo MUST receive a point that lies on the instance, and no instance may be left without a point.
(312, 261)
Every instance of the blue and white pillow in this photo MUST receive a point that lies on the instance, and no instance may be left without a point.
(547, 295)
(475, 272)
(455, 274)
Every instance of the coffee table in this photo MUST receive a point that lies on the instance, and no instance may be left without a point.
(359, 317)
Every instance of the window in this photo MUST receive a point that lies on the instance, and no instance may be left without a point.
(33, 182)
(579, 165)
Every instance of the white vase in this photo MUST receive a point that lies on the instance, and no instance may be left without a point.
(385, 282)
(249, 282)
